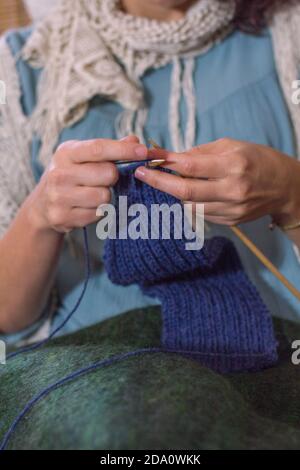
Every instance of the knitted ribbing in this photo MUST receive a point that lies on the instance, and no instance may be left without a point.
(209, 306)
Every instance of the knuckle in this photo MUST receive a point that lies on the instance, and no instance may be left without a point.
(65, 146)
(123, 149)
(231, 222)
(54, 197)
(62, 148)
(113, 174)
(187, 192)
(56, 177)
(189, 166)
(105, 196)
(55, 217)
(241, 164)
(225, 141)
(97, 147)
(242, 190)
(237, 212)
(56, 160)
(153, 180)
(236, 216)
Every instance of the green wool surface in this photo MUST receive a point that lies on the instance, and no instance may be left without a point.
(158, 401)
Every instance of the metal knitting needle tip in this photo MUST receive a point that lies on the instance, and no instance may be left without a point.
(149, 162)
(155, 163)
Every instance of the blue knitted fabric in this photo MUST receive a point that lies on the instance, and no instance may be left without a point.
(210, 309)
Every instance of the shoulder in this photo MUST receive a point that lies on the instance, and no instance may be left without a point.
(239, 61)
(253, 51)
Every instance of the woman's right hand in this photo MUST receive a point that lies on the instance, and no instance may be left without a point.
(78, 181)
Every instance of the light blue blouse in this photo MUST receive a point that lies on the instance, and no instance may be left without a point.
(238, 96)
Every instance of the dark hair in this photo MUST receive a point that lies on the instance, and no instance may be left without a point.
(251, 15)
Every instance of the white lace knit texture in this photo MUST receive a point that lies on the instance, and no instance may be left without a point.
(90, 47)
(84, 51)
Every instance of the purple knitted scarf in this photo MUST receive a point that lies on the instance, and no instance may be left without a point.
(210, 309)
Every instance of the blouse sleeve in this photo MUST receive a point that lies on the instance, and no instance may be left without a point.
(16, 178)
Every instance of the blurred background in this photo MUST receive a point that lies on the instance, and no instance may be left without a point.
(18, 13)
(13, 14)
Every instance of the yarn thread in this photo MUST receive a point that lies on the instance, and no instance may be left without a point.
(209, 305)
(180, 330)
(38, 345)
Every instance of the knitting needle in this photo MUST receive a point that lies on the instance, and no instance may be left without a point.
(270, 266)
(150, 163)
(256, 251)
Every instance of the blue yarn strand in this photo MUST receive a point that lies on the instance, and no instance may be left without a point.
(38, 345)
(69, 378)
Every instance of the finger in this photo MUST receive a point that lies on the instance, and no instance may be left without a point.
(85, 174)
(198, 166)
(185, 189)
(96, 174)
(82, 197)
(100, 150)
(194, 163)
(221, 145)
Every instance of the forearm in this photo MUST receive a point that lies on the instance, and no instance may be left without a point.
(29, 253)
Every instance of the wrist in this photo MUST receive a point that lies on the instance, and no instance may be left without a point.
(288, 210)
(35, 215)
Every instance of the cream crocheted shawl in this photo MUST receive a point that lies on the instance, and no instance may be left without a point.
(84, 51)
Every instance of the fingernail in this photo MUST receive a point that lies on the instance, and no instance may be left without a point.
(141, 151)
(140, 172)
(100, 212)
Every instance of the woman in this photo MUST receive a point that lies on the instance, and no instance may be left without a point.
(193, 75)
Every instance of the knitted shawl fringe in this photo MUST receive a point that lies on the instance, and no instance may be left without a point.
(17, 130)
(91, 47)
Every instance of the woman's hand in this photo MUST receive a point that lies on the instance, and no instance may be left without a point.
(79, 179)
(236, 181)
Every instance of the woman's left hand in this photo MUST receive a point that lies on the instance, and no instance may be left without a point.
(236, 181)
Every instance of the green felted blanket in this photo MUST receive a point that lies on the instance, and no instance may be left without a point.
(158, 401)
